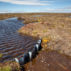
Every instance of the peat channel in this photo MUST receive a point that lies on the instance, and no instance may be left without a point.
(12, 44)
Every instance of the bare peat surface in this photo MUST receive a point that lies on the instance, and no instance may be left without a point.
(49, 61)
(12, 44)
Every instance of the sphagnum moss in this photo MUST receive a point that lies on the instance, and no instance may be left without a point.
(1, 55)
(5, 68)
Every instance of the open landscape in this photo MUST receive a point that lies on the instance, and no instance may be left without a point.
(53, 28)
(35, 35)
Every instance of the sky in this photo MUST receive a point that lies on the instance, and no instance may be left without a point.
(32, 6)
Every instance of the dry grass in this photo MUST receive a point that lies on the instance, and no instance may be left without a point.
(57, 27)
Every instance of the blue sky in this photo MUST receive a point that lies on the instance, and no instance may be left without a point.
(22, 6)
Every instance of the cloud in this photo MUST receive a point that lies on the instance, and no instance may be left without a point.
(58, 9)
(66, 9)
(27, 2)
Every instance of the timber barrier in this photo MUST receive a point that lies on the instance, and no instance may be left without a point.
(28, 56)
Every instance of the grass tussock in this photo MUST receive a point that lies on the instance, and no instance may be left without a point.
(9, 66)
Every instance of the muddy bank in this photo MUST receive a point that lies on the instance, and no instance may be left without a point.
(49, 61)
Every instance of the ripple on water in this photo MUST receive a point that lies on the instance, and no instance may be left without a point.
(13, 44)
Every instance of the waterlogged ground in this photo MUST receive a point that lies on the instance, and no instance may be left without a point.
(12, 44)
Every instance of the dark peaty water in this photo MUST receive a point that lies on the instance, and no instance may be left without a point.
(12, 44)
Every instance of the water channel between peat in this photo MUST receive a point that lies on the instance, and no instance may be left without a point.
(12, 44)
